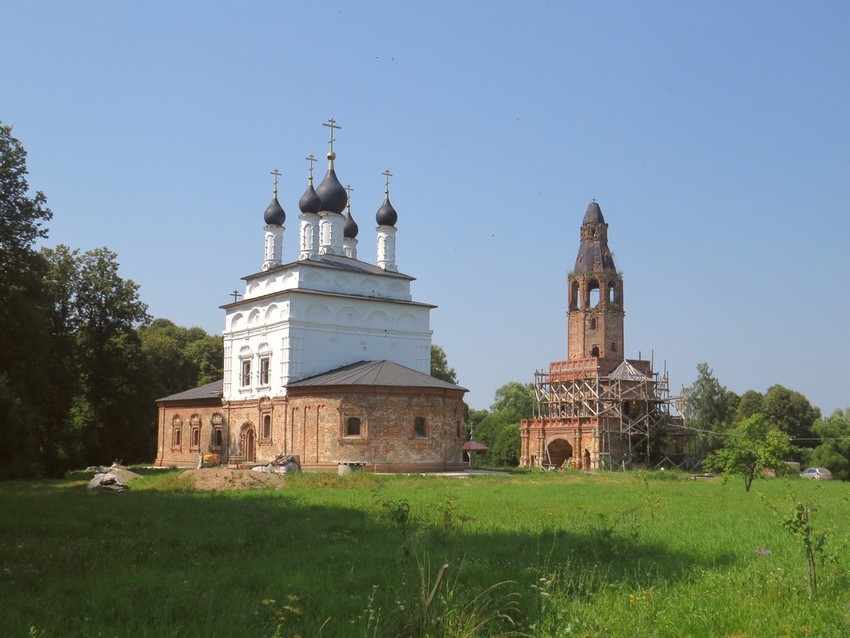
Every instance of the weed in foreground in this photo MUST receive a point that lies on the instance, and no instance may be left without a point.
(798, 524)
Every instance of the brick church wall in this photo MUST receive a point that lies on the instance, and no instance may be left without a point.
(315, 427)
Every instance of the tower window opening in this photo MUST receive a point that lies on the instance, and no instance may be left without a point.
(613, 346)
(612, 294)
(595, 351)
(574, 300)
(593, 294)
(593, 324)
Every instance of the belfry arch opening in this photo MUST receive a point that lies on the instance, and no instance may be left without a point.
(574, 296)
(559, 452)
(593, 293)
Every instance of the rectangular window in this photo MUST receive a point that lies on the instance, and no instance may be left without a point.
(218, 437)
(419, 429)
(196, 437)
(266, 431)
(352, 426)
(265, 366)
(245, 377)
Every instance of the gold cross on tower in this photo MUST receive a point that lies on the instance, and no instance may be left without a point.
(311, 158)
(387, 174)
(331, 124)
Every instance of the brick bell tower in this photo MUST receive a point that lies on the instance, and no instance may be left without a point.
(595, 316)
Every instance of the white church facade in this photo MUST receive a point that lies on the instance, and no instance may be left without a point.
(326, 357)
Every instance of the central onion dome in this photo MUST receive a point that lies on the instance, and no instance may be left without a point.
(274, 215)
(386, 215)
(331, 193)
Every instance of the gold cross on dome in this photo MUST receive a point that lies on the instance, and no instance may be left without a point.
(331, 124)
(311, 158)
(387, 174)
(276, 174)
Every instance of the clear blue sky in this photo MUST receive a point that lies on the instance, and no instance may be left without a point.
(715, 136)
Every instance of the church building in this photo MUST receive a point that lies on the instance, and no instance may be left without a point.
(326, 357)
(598, 409)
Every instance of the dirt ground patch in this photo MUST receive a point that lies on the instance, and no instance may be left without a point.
(219, 478)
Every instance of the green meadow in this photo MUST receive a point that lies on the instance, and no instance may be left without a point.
(526, 554)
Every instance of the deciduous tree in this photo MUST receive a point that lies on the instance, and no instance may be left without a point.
(24, 331)
(792, 413)
(752, 446)
(440, 366)
(834, 449)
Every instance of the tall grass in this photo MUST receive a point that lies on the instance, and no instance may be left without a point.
(555, 554)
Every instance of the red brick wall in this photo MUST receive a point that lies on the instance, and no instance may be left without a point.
(313, 427)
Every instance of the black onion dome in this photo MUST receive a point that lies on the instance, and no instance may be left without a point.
(310, 201)
(350, 230)
(593, 214)
(274, 215)
(332, 194)
(386, 215)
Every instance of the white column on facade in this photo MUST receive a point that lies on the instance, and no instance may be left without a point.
(273, 253)
(309, 236)
(386, 248)
(330, 233)
(349, 247)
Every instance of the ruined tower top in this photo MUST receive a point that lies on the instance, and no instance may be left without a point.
(595, 315)
(593, 252)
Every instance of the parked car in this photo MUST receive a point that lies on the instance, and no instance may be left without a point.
(816, 473)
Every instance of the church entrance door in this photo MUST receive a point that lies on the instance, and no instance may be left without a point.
(250, 452)
(559, 451)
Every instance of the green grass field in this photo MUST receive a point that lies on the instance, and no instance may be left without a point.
(558, 554)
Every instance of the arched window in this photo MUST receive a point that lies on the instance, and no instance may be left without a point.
(595, 351)
(266, 432)
(574, 296)
(613, 346)
(176, 432)
(612, 293)
(592, 293)
(420, 430)
(217, 422)
(194, 432)
(593, 323)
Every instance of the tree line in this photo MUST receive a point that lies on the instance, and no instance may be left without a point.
(728, 424)
(81, 361)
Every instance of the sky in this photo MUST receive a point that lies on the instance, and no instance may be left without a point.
(715, 137)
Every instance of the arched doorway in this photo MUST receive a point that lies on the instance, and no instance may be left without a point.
(559, 452)
(248, 444)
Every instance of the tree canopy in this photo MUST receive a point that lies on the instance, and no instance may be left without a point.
(752, 446)
(834, 450)
(76, 384)
(440, 366)
(709, 405)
